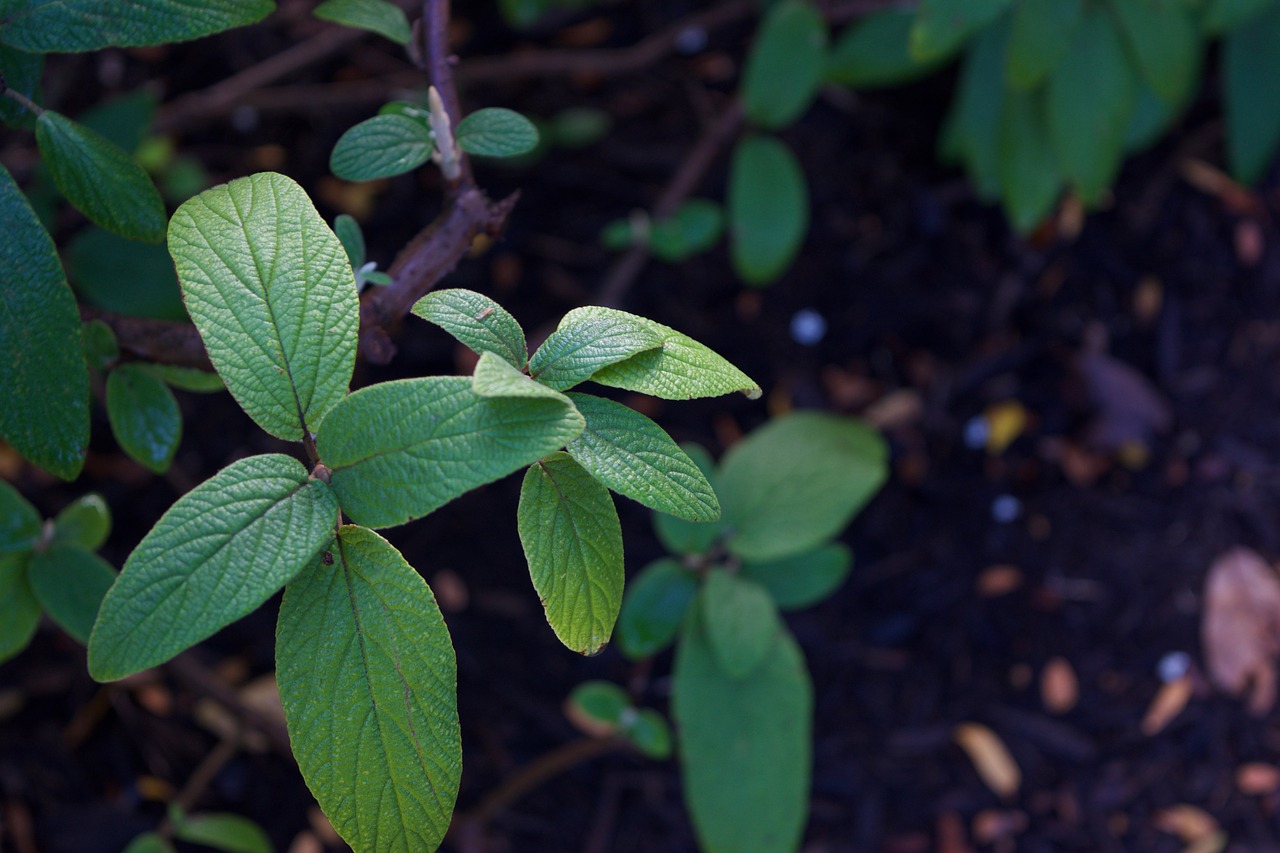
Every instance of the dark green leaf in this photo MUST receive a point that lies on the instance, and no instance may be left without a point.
(1029, 179)
(101, 350)
(379, 16)
(496, 132)
(1223, 15)
(740, 620)
(693, 228)
(20, 524)
(596, 707)
(1251, 88)
(768, 208)
(70, 583)
(785, 65)
(228, 832)
(875, 52)
(650, 734)
(1039, 38)
(144, 417)
(477, 322)
(973, 125)
(801, 580)
(689, 537)
(1152, 117)
(185, 378)
(19, 609)
(943, 26)
(351, 237)
(124, 276)
(149, 842)
(86, 522)
(1165, 42)
(124, 120)
(380, 147)
(653, 608)
(83, 25)
(21, 72)
(587, 341)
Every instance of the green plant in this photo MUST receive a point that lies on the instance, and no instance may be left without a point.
(226, 832)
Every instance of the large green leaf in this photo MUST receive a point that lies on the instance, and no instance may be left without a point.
(83, 25)
(19, 609)
(768, 208)
(1040, 35)
(740, 620)
(222, 550)
(477, 322)
(269, 287)
(973, 125)
(494, 377)
(654, 606)
(21, 72)
(496, 132)
(587, 340)
(692, 538)
(369, 685)
(874, 51)
(797, 481)
(100, 178)
(786, 64)
(635, 457)
(745, 750)
(380, 147)
(572, 539)
(86, 522)
(679, 369)
(1029, 179)
(1251, 88)
(1164, 40)
(70, 583)
(800, 580)
(943, 26)
(44, 386)
(379, 16)
(1090, 98)
(401, 449)
(1223, 15)
(144, 417)
(20, 525)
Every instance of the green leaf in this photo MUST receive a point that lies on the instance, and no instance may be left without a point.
(21, 72)
(494, 377)
(588, 340)
(1251, 84)
(369, 685)
(185, 378)
(144, 417)
(379, 16)
(943, 26)
(100, 179)
(1224, 15)
(597, 707)
(149, 842)
(124, 276)
(380, 147)
(653, 608)
(400, 450)
(228, 832)
(874, 52)
(19, 609)
(745, 749)
(496, 132)
(785, 65)
(797, 481)
(269, 287)
(101, 350)
(650, 734)
(1039, 38)
(351, 237)
(86, 522)
(1163, 39)
(1090, 98)
(572, 539)
(222, 550)
(1151, 119)
(634, 456)
(69, 583)
(689, 537)
(973, 125)
(800, 580)
(20, 524)
(768, 208)
(477, 322)
(694, 227)
(82, 25)
(44, 398)
(1029, 179)
(740, 620)
(124, 120)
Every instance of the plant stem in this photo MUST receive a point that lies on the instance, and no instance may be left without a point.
(19, 98)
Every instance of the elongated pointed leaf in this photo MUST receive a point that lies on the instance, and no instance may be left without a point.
(1029, 178)
(654, 607)
(369, 685)
(227, 832)
(477, 322)
(802, 579)
(785, 65)
(1163, 38)
(497, 378)
(692, 538)
(768, 208)
(19, 522)
(85, 521)
(99, 178)
(144, 417)
(496, 132)
(679, 369)
(401, 449)
(44, 387)
(222, 550)
(943, 26)
(573, 541)
(634, 456)
(269, 287)
(973, 124)
(351, 237)
(82, 25)
(19, 609)
(797, 481)
(70, 583)
(381, 147)
(1039, 38)
(745, 750)
(1251, 82)
(379, 16)
(588, 340)
(874, 51)
(740, 620)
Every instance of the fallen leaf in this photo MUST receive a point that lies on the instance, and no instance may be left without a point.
(1168, 703)
(895, 410)
(1006, 421)
(1240, 627)
(990, 758)
(1059, 689)
(1215, 182)
(1257, 778)
(1190, 823)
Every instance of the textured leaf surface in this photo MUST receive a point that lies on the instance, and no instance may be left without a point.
(1029, 179)
(586, 341)
(1038, 39)
(380, 147)
(369, 685)
(797, 481)
(227, 832)
(740, 620)
(269, 287)
(99, 178)
(379, 16)
(19, 521)
(44, 386)
(679, 369)
(768, 208)
(83, 25)
(494, 377)
(875, 51)
(402, 449)
(477, 322)
(744, 745)
(800, 580)
(689, 537)
(654, 606)
(943, 26)
(1251, 84)
(1162, 36)
(785, 65)
(86, 522)
(70, 583)
(496, 132)
(635, 457)
(19, 609)
(573, 541)
(217, 554)
(144, 417)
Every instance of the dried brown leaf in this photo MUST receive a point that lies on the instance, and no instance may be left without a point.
(1168, 703)
(1059, 688)
(990, 758)
(1257, 778)
(1240, 627)
(1191, 824)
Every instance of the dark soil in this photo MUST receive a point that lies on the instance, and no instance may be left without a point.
(932, 306)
